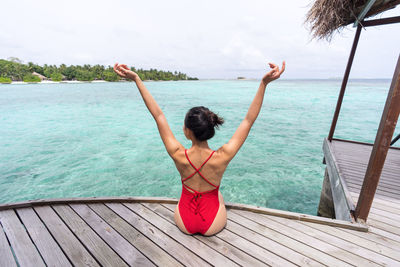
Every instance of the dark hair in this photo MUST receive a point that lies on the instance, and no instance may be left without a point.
(202, 122)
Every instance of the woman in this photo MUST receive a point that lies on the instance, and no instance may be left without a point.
(201, 208)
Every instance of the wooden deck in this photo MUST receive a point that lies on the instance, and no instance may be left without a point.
(121, 232)
(346, 163)
(352, 160)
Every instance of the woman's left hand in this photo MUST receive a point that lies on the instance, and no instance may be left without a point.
(274, 74)
(123, 71)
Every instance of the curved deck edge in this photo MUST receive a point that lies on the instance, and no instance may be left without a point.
(164, 200)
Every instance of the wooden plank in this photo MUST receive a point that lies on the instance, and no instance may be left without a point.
(151, 250)
(382, 183)
(383, 186)
(389, 169)
(354, 145)
(202, 250)
(393, 256)
(118, 243)
(388, 199)
(379, 191)
(300, 217)
(384, 226)
(388, 202)
(384, 233)
(381, 146)
(343, 203)
(359, 160)
(71, 246)
(273, 248)
(391, 221)
(349, 147)
(351, 142)
(49, 249)
(388, 175)
(347, 162)
(25, 251)
(369, 256)
(6, 256)
(173, 248)
(239, 256)
(357, 172)
(355, 160)
(262, 210)
(388, 210)
(306, 238)
(382, 189)
(278, 243)
(80, 200)
(377, 239)
(383, 213)
(253, 249)
(93, 243)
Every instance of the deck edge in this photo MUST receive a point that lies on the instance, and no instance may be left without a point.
(267, 211)
(343, 203)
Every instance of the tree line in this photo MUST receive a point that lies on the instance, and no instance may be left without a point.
(14, 70)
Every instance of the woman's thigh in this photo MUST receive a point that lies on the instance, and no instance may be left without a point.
(220, 219)
(178, 220)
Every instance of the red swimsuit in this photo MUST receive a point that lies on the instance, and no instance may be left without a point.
(198, 209)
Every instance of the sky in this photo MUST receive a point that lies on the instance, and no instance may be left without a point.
(205, 39)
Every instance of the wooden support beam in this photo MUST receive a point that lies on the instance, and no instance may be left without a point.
(344, 82)
(379, 22)
(383, 138)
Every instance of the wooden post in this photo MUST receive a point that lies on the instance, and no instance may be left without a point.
(344, 82)
(383, 138)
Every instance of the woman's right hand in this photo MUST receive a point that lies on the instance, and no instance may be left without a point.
(274, 74)
(123, 71)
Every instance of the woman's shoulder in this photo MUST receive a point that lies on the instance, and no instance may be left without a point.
(223, 154)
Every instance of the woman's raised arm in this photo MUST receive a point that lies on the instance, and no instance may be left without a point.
(232, 147)
(171, 144)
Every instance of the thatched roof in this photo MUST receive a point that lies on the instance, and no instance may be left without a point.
(327, 16)
(39, 75)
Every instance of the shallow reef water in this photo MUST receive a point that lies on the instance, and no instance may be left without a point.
(98, 139)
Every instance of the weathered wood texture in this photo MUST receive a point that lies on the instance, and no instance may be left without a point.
(344, 82)
(384, 216)
(352, 161)
(381, 146)
(144, 234)
(342, 202)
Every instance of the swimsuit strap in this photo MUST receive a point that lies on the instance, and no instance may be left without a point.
(196, 199)
(198, 169)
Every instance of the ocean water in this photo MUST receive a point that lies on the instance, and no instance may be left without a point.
(98, 139)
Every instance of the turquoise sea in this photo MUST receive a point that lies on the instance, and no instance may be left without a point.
(98, 139)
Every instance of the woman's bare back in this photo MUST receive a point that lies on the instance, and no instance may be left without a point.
(212, 171)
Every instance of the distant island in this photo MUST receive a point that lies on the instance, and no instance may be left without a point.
(14, 70)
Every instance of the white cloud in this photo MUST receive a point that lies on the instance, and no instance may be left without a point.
(208, 39)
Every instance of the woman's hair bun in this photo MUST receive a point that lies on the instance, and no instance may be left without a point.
(202, 121)
(215, 119)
